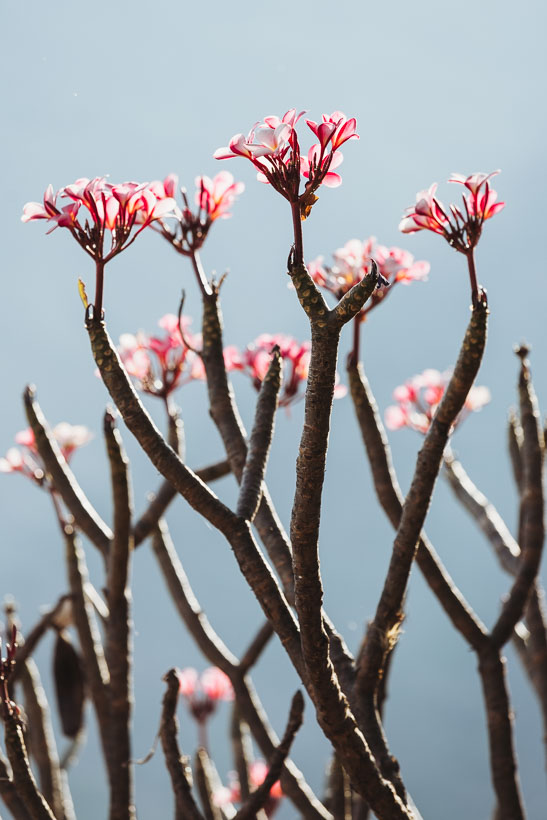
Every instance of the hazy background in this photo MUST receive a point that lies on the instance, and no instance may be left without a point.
(137, 90)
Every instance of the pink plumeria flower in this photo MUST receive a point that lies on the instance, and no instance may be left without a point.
(258, 770)
(26, 461)
(354, 261)
(203, 693)
(95, 208)
(213, 198)
(161, 364)
(273, 148)
(461, 227)
(418, 398)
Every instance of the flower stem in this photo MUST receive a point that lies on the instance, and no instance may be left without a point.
(297, 229)
(99, 280)
(473, 276)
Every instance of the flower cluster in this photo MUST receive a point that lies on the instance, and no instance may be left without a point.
(95, 206)
(354, 261)
(273, 148)
(255, 361)
(160, 364)
(461, 227)
(25, 459)
(203, 693)
(213, 198)
(418, 398)
(258, 771)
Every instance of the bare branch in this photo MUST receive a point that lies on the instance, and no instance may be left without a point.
(118, 647)
(85, 516)
(260, 441)
(389, 610)
(166, 493)
(258, 798)
(9, 795)
(251, 561)
(256, 647)
(178, 765)
(485, 514)
(242, 750)
(219, 655)
(207, 782)
(23, 779)
(532, 530)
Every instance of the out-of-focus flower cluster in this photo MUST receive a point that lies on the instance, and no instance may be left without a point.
(25, 459)
(418, 398)
(203, 693)
(460, 226)
(256, 358)
(212, 200)
(353, 262)
(94, 206)
(257, 774)
(160, 364)
(274, 149)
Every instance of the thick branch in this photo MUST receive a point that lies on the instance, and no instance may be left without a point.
(333, 713)
(85, 516)
(532, 528)
(177, 765)
(500, 735)
(389, 611)
(9, 795)
(118, 629)
(23, 779)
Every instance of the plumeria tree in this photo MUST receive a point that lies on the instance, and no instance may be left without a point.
(347, 691)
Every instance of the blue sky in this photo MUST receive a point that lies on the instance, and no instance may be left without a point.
(137, 90)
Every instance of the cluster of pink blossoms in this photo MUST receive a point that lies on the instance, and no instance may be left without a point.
(203, 693)
(354, 261)
(95, 205)
(160, 364)
(256, 358)
(273, 148)
(27, 461)
(257, 774)
(418, 398)
(461, 227)
(213, 198)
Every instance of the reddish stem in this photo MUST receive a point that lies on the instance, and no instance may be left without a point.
(354, 355)
(99, 280)
(297, 229)
(473, 277)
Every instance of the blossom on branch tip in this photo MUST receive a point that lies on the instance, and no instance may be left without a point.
(460, 226)
(354, 261)
(27, 461)
(95, 206)
(213, 198)
(273, 148)
(418, 398)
